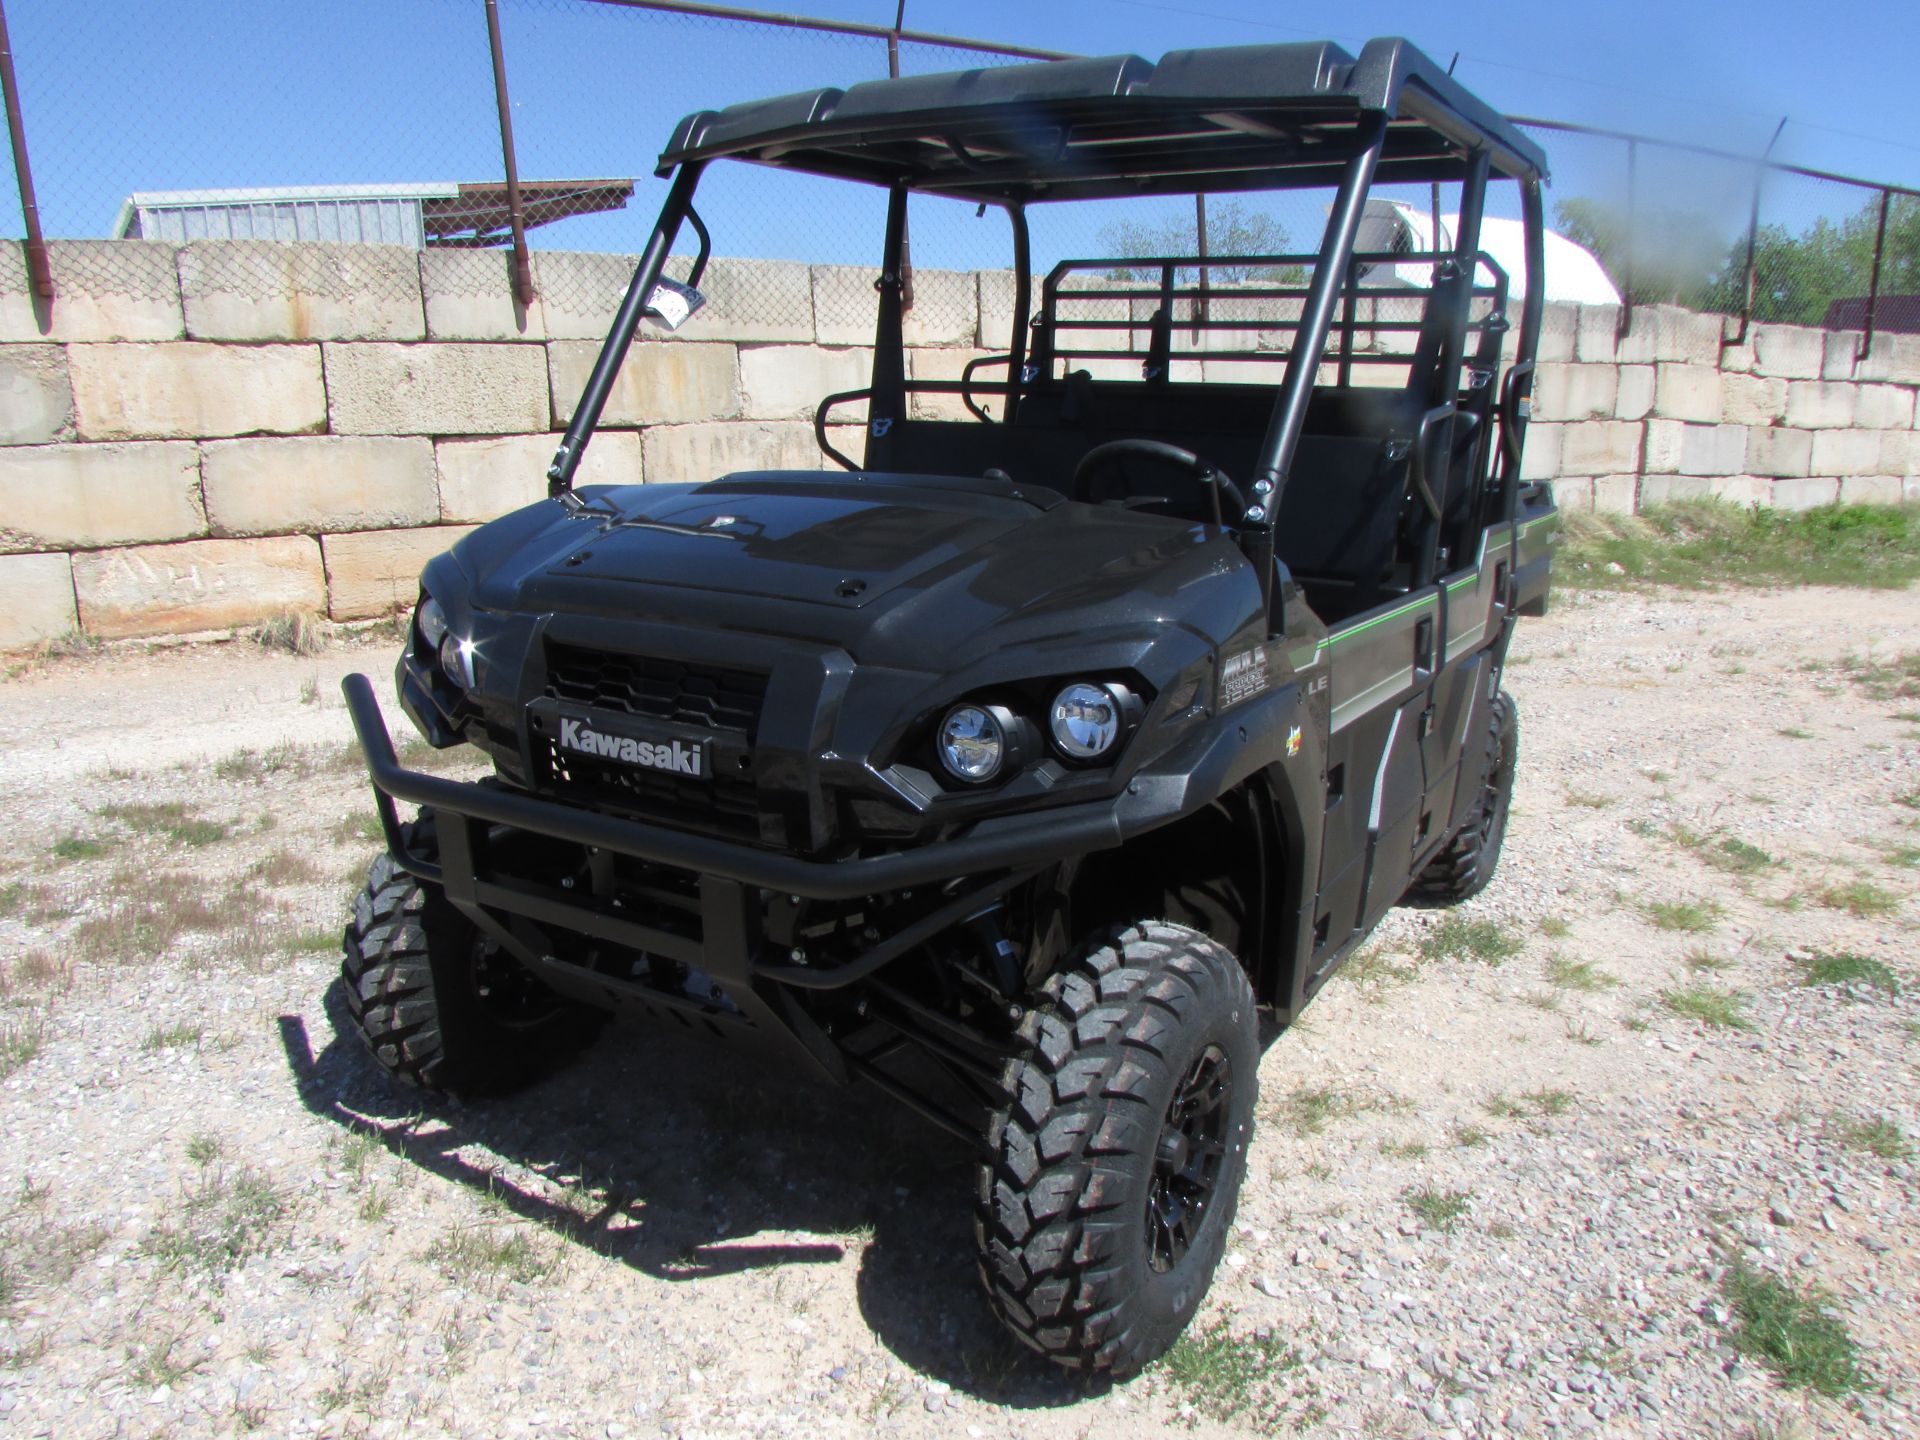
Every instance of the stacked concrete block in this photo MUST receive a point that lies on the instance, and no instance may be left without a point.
(950, 365)
(198, 585)
(317, 483)
(71, 497)
(1752, 399)
(1636, 391)
(1600, 447)
(1804, 494)
(107, 290)
(483, 479)
(788, 382)
(1821, 404)
(1746, 490)
(1779, 453)
(698, 453)
(377, 572)
(450, 389)
(469, 295)
(846, 307)
(193, 390)
(1576, 392)
(253, 290)
(36, 599)
(1687, 392)
(36, 397)
(656, 385)
(1676, 448)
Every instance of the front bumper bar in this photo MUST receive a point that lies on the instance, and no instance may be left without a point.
(1012, 842)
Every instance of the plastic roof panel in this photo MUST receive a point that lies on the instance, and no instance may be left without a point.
(1239, 117)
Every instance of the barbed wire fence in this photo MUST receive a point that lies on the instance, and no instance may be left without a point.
(494, 133)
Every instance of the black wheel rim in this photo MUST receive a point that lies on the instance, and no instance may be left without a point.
(510, 995)
(1188, 1159)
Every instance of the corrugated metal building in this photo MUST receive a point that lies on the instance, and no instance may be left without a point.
(465, 214)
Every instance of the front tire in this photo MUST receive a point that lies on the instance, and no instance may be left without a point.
(1114, 1169)
(436, 1005)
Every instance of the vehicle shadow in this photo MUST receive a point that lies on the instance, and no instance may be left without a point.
(672, 1155)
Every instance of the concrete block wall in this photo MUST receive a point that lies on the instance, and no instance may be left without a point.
(1791, 418)
(196, 437)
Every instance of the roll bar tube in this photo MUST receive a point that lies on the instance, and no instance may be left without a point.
(1282, 440)
(593, 399)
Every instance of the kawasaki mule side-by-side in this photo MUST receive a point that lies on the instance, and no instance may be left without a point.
(1019, 769)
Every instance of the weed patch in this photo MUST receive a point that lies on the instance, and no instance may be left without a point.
(1847, 968)
(1227, 1377)
(1578, 974)
(1859, 897)
(1438, 1209)
(1458, 938)
(1794, 1333)
(1691, 917)
(1709, 1005)
(481, 1253)
(1872, 1134)
(221, 1222)
(1703, 543)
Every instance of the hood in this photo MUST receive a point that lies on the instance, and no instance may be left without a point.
(896, 568)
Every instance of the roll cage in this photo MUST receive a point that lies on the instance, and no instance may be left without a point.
(1404, 477)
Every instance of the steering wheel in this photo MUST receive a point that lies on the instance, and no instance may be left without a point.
(1103, 457)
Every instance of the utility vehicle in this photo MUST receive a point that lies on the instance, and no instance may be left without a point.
(1019, 770)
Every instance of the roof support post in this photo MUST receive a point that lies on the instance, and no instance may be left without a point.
(888, 404)
(593, 399)
(1282, 440)
(522, 263)
(1873, 285)
(1022, 303)
(39, 273)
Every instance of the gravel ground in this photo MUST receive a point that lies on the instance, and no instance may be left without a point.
(1489, 1196)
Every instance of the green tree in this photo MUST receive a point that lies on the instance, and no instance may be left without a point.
(1682, 260)
(1232, 229)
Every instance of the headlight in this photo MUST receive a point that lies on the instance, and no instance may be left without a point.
(432, 621)
(456, 658)
(973, 742)
(1085, 720)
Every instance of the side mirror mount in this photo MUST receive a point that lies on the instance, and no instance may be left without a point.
(671, 304)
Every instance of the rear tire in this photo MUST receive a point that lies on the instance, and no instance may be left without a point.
(1465, 866)
(1114, 1169)
(436, 1004)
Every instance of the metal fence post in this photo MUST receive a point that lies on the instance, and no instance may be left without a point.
(906, 241)
(39, 273)
(522, 263)
(1625, 322)
(1873, 285)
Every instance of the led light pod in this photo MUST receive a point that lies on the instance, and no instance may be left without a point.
(1085, 720)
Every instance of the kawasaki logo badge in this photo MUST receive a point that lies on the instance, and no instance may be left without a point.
(675, 757)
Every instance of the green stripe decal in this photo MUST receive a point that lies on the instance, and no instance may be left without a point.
(1408, 609)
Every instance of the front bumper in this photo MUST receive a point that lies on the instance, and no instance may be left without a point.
(733, 886)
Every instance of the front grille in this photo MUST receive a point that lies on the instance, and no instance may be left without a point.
(703, 695)
(725, 702)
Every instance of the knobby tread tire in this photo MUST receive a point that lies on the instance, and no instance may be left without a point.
(406, 970)
(1060, 1220)
(1465, 865)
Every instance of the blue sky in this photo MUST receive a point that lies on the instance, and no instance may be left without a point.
(122, 95)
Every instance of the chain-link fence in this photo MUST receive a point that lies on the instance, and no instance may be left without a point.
(382, 120)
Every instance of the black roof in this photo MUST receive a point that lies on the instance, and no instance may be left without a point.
(1238, 118)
